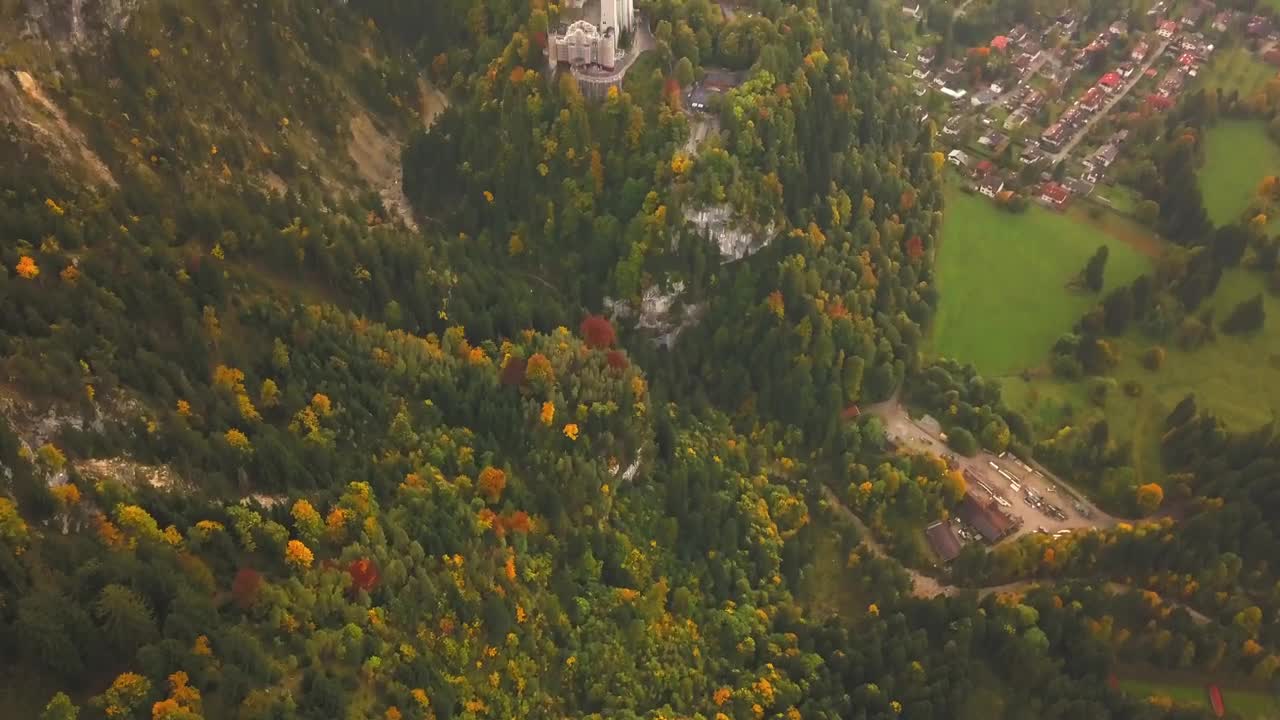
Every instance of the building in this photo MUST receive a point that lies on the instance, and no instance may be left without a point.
(714, 83)
(1055, 195)
(1167, 29)
(1110, 81)
(944, 541)
(983, 169)
(1140, 52)
(959, 158)
(1092, 99)
(984, 515)
(953, 67)
(583, 44)
(991, 185)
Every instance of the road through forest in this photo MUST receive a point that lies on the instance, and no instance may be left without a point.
(924, 586)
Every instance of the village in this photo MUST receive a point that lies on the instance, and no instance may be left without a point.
(1025, 113)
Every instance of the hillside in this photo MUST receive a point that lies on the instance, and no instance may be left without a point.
(328, 387)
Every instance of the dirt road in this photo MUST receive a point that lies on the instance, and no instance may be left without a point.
(924, 586)
(1014, 483)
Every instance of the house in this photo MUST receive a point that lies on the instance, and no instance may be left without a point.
(1159, 8)
(943, 540)
(959, 158)
(1053, 136)
(1016, 119)
(1092, 100)
(983, 168)
(953, 125)
(991, 185)
(1055, 195)
(984, 516)
(953, 93)
(1111, 81)
(953, 67)
(927, 55)
(1172, 82)
(1140, 51)
(1222, 21)
(994, 140)
(1258, 26)
(1079, 187)
(1119, 28)
(1030, 155)
(1167, 29)
(1192, 17)
(1018, 34)
(1000, 42)
(911, 8)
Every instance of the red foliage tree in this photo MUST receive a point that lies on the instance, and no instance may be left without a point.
(617, 360)
(915, 248)
(364, 574)
(513, 371)
(246, 587)
(597, 332)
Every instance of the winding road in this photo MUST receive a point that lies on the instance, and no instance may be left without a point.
(926, 587)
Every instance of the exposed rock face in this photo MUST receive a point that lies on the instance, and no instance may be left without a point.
(75, 22)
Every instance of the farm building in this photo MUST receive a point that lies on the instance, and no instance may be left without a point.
(984, 515)
(944, 541)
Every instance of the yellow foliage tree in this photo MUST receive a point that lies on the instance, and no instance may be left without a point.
(237, 440)
(548, 413)
(571, 431)
(298, 555)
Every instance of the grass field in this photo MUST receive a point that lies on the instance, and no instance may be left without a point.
(1003, 281)
(1237, 69)
(1237, 377)
(1238, 154)
(1247, 704)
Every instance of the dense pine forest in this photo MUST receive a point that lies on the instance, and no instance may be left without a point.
(326, 390)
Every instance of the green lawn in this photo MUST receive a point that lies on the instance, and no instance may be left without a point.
(1003, 281)
(1237, 69)
(1237, 377)
(1238, 154)
(1247, 704)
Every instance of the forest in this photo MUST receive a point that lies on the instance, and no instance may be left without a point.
(358, 467)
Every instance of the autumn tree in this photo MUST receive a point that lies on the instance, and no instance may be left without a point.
(492, 483)
(597, 332)
(245, 587)
(1149, 497)
(298, 555)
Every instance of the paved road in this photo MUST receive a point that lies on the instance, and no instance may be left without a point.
(926, 587)
(1057, 157)
(992, 470)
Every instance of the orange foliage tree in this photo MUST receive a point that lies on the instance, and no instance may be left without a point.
(492, 482)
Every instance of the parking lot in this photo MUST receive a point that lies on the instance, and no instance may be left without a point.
(1039, 502)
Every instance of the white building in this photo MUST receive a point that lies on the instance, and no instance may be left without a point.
(583, 44)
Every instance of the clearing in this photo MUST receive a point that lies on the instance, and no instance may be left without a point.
(1235, 376)
(1239, 70)
(1187, 688)
(1238, 154)
(1003, 279)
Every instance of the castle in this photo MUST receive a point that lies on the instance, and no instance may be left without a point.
(585, 43)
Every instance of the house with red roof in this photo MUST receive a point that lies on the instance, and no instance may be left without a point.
(1000, 42)
(1110, 81)
(1167, 29)
(1055, 195)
